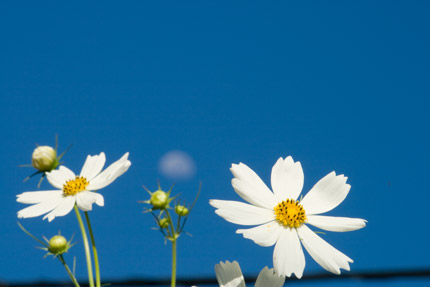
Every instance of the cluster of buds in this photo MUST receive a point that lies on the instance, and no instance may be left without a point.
(159, 202)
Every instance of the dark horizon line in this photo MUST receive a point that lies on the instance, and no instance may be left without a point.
(209, 281)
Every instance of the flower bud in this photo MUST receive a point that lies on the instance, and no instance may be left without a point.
(159, 200)
(181, 210)
(44, 158)
(58, 245)
(163, 223)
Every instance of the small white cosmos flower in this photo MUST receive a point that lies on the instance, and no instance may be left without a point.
(282, 218)
(229, 274)
(73, 189)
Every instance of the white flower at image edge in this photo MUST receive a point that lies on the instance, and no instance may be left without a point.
(228, 274)
(73, 189)
(282, 219)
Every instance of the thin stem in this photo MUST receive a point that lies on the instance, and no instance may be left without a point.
(86, 246)
(32, 236)
(178, 224)
(172, 229)
(72, 277)
(96, 257)
(173, 240)
(173, 284)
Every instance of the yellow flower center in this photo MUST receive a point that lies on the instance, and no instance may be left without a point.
(73, 186)
(290, 213)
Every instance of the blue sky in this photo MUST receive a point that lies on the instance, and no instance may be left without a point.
(339, 85)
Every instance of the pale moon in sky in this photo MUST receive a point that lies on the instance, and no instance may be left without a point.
(177, 165)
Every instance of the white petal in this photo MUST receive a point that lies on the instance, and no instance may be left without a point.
(100, 201)
(242, 213)
(85, 200)
(31, 197)
(40, 208)
(288, 257)
(58, 177)
(93, 166)
(268, 278)
(250, 187)
(264, 235)
(111, 173)
(326, 194)
(323, 253)
(229, 274)
(84, 203)
(287, 179)
(341, 224)
(62, 209)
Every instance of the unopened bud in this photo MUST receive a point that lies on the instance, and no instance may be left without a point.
(159, 200)
(44, 158)
(181, 210)
(164, 223)
(58, 245)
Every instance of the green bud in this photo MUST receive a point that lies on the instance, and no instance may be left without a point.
(44, 158)
(58, 245)
(159, 200)
(181, 210)
(164, 223)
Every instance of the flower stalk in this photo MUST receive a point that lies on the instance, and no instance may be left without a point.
(86, 247)
(69, 272)
(171, 230)
(172, 238)
(96, 257)
(173, 280)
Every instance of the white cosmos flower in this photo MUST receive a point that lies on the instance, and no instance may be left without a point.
(73, 189)
(282, 219)
(229, 274)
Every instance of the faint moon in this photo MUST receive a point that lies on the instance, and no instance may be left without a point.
(177, 165)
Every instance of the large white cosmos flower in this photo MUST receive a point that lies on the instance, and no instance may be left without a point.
(73, 189)
(282, 218)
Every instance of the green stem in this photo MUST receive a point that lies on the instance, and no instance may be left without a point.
(86, 246)
(72, 277)
(172, 229)
(32, 236)
(173, 240)
(96, 257)
(173, 284)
